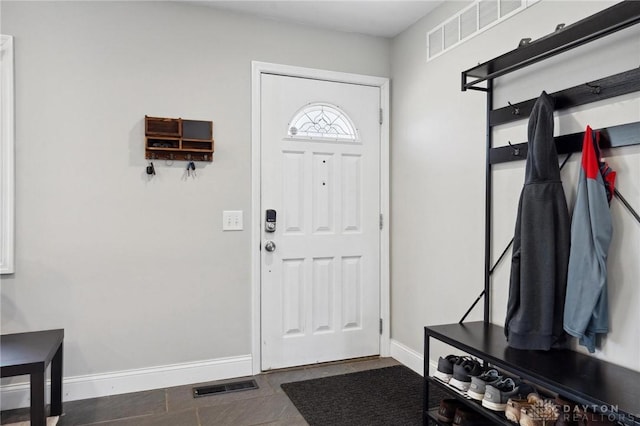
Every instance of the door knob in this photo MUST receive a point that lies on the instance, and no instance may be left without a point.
(270, 245)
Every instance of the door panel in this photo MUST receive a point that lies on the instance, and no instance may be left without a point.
(320, 287)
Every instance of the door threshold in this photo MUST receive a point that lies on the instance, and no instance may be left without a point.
(323, 364)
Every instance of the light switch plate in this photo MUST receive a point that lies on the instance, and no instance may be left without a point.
(232, 220)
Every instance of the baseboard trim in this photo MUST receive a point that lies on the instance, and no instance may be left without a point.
(410, 358)
(98, 385)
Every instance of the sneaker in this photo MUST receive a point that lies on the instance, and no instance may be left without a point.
(463, 371)
(497, 394)
(514, 407)
(447, 410)
(445, 367)
(479, 383)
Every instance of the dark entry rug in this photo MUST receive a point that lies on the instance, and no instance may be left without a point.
(381, 397)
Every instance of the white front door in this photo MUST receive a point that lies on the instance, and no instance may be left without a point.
(320, 172)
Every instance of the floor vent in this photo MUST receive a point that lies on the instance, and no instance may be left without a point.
(224, 388)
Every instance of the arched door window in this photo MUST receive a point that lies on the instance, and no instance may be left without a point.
(322, 121)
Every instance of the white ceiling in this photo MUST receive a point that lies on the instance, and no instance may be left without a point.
(385, 18)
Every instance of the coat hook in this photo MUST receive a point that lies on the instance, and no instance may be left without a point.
(525, 41)
(595, 89)
(516, 151)
(516, 110)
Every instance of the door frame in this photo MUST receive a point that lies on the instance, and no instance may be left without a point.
(257, 69)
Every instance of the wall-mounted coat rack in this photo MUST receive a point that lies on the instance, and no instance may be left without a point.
(178, 139)
(609, 21)
(482, 339)
(611, 137)
(615, 18)
(604, 88)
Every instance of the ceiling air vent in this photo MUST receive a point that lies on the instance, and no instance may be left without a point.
(470, 21)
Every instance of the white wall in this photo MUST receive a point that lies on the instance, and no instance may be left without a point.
(137, 271)
(437, 171)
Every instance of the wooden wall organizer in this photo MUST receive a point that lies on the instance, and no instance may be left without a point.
(178, 139)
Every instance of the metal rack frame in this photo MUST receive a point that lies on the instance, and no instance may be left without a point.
(608, 21)
(584, 379)
(615, 18)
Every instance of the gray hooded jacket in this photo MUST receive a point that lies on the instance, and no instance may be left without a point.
(541, 243)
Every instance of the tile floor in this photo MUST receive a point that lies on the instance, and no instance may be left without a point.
(267, 405)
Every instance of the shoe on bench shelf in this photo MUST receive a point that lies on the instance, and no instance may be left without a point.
(463, 371)
(444, 371)
(542, 413)
(447, 409)
(514, 406)
(467, 417)
(479, 383)
(498, 394)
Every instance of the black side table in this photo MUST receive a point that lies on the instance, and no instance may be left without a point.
(31, 353)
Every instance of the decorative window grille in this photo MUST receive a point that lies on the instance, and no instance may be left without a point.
(322, 121)
(471, 21)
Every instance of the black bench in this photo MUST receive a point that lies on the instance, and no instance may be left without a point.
(31, 353)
